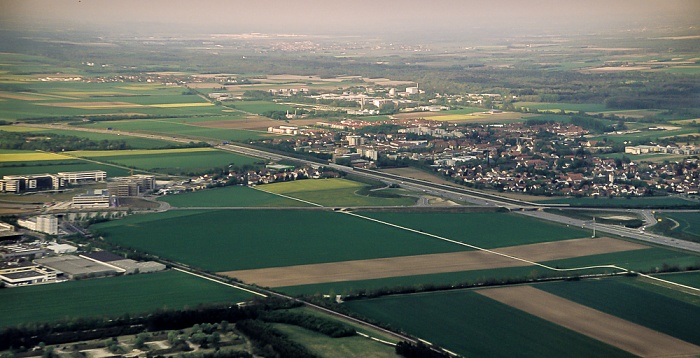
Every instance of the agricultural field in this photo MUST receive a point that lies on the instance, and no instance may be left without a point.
(248, 239)
(111, 297)
(566, 107)
(515, 256)
(61, 100)
(181, 129)
(486, 230)
(17, 162)
(231, 196)
(133, 142)
(680, 225)
(345, 347)
(621, 299)
(170, 161)
(259, 107)
(336, 192)
(647, 260)
(645, 136)
(691, 279)
(470, 324)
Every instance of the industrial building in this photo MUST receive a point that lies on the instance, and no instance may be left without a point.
(131, 186)
(22, 183)
(35, 182)
(127, 266)
(16, 251)
(77, 267)
(98, 198)
(82, 177)
(14, 274)
(44, 223)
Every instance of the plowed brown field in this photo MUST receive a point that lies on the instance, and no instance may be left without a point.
(428, 264)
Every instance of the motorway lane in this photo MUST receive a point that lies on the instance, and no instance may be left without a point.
(616, 230)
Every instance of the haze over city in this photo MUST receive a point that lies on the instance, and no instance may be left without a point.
(438, 19)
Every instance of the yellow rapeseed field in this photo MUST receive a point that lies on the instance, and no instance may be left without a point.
(110, 153)
(175, 105)
(30, 157)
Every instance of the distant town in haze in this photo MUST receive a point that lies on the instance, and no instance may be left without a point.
(316, 179)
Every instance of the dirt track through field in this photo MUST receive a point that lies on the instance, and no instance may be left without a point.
(428, 264)
(607, 328)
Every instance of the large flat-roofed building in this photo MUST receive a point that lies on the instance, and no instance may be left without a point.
(129, 266)
(16, 251)
(44, 223)
(77, 267)
(86, 176)
(131, 186)
(25, 273)
(31, 182)
(98, 198)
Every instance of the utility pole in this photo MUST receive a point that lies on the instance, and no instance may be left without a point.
(593, 228)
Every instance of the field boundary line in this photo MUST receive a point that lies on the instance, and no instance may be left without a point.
(289, 197)
(483, 249)
(219, 282)
(689, 288)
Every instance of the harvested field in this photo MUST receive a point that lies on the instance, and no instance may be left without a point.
(20, 97)
(615, 331)
(429, 264)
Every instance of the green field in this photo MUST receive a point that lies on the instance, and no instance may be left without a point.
(111, 297)
(450, 278)
(475, 326)
(55, 166)
(568, 107)
(335, 192)
(226, 240)
(175, 161)
(260, 107)
(635, 304)
(644, 260)
(680, 225)
(691, 279)
(180, 129)
(239, 196)
(486, 230)
(345, 347)
(640, 202)
(133, 142)
(645, 136)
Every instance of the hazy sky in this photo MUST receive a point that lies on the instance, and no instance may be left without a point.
(347, 17)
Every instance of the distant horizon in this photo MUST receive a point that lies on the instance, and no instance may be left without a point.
(393, 19)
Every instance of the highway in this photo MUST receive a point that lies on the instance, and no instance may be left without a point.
(446, 191)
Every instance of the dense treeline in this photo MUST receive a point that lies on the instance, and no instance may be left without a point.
(321, 325)
(271, 342)
(72, 330)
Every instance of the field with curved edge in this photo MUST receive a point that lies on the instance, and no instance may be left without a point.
(111, 296)
(336, 192)
(238, 196)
